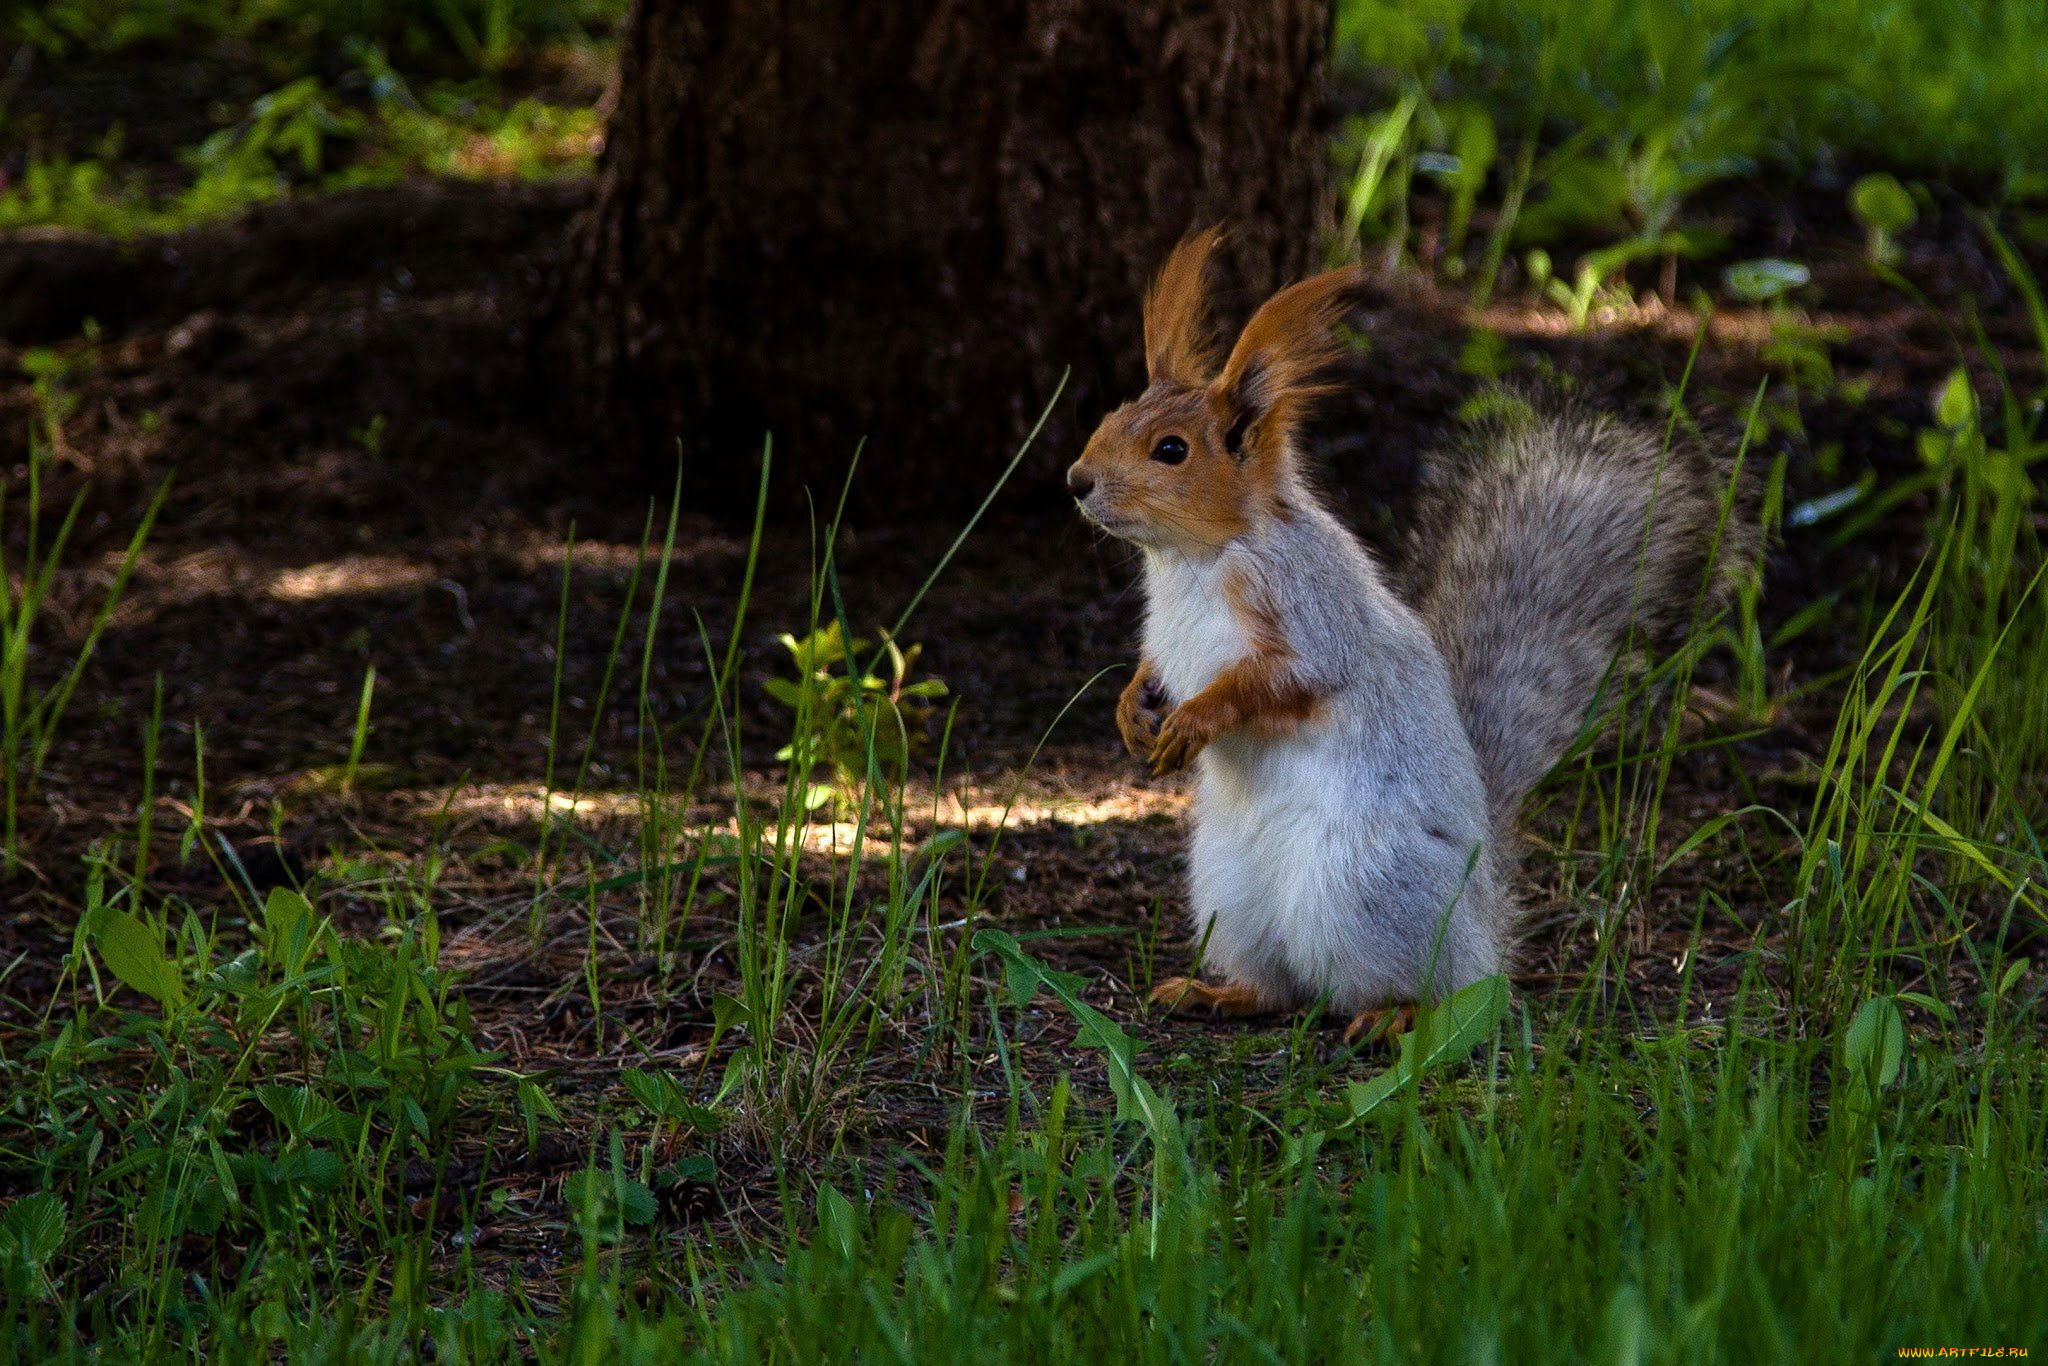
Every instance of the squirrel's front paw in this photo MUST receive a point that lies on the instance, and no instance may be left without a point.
(1139, 714)
(1186, 733)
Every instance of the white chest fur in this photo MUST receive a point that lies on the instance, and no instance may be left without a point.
(1190, 632)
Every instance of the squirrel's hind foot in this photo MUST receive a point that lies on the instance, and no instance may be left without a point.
(1232, 999)
(1380, 1024)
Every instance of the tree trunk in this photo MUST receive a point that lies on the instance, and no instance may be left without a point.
(901, 221)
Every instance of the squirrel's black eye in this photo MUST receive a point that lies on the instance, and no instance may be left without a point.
(1171, 450)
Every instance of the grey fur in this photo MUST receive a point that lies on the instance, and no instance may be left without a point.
(1366, 855)
(1539, 550)
(1367, 870)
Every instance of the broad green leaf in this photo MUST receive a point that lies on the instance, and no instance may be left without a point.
(1450, 1030)
(1940, 1010)
(240, 975)
(33, 1229)
(1875, 1044)
(839, 1223)
(134, 952)
(664, 1098)
(285, 911)
(596, 1196)
(636, 1201)
(650, 1090)
(1135, 1097)
(206, 1209)
(1443, 1034)
(588, 1194)
(311, 1169)
(1935, 448)
(727, 1012)
(299, 1109)
(416, 1117)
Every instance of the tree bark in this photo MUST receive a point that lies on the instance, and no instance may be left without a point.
(902, 221)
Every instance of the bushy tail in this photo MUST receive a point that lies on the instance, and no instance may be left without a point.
(1539, 550)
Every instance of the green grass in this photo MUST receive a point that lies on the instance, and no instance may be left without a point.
(1607, 121)
(1926, 87)
(33, 705)
(1677, 1199)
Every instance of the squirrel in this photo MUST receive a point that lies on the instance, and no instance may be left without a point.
(1363, 750)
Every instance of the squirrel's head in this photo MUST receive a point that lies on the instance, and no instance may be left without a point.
(1197, 458)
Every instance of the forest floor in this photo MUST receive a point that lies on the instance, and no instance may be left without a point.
(339, 392)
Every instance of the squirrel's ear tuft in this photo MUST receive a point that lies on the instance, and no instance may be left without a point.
(1280, 356)
(1179, 347)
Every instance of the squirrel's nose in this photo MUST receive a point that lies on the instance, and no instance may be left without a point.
(1080, 483)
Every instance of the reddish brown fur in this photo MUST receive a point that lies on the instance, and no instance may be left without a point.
(1138, 722)
(1179, 346)
(1238, 422)
(1287, 343)
(1270, 697)
(1200, 504)
(1261, 693)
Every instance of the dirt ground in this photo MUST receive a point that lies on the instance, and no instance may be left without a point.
(363, 474)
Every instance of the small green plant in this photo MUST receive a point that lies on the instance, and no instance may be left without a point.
(1759, 697)
(1910, 829)
(285, 133)
(308, 136)
(33, 694)
(359, 734)
(1991, 472)
(1885, 210)
(852, 722)
(267, 1089)
(93, 193)
(1764, 281)
(1601, 274)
